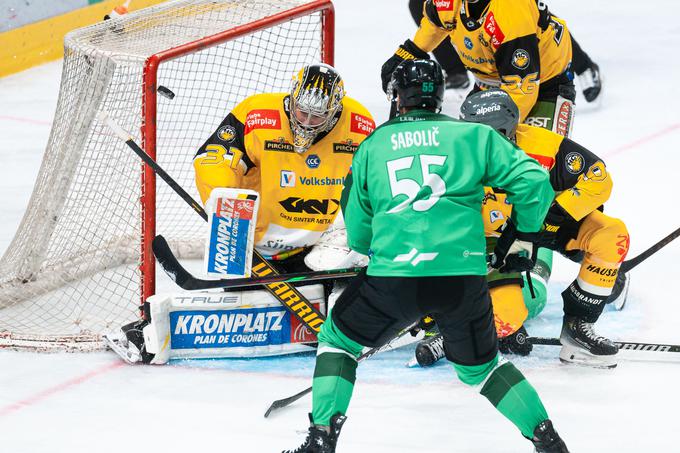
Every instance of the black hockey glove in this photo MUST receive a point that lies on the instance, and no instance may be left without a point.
(517, 343)
(515, 251)
(406, 51)
(558, 228)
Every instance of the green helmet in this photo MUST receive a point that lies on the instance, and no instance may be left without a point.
(493, 107)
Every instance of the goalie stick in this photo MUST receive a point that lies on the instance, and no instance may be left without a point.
(287, 295)
(185, 280)
(392, 344)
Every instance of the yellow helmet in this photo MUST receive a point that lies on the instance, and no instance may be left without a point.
(315, 100)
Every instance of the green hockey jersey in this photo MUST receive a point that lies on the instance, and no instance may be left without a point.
(415, 201)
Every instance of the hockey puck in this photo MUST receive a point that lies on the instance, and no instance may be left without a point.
(166, 92)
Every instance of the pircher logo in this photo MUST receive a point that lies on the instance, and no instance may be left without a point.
(604, 271)
(280, 144)
(311, 206)
(574, 163)
(520, 59)
(346, 147)
(290, 297)
(482, 41)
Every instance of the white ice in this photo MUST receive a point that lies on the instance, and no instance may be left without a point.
(93, 402)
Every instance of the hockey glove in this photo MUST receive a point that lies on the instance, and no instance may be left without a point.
(515, 251)
(406, 51)
(517, 343)
(558, 228)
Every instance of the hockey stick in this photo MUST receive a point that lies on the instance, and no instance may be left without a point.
(287, 295)
(185, 280)
(631, 263)
(392, 344)
(623, 345)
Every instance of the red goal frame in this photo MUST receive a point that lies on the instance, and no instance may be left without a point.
(148, 128)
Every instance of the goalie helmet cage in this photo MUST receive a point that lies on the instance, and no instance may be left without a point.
(81, 263)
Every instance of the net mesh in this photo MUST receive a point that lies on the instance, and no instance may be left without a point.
(72, 271)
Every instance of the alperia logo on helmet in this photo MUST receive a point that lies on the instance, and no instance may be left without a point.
(428, 87)
(484, 110)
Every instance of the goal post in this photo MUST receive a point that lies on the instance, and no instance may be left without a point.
(81, 260)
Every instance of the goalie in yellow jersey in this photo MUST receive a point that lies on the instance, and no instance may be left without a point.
(575, 223)
(515, 45)
(295, 150)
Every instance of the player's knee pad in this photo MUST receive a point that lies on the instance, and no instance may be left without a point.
(606, 249)
(509, 309)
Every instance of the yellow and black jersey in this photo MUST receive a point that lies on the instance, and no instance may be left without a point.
(253, 149)
(512, 44)
(578, 176)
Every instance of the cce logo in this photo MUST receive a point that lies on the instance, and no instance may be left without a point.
(313, 161)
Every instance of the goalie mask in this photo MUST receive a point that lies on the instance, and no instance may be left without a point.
(315, 99)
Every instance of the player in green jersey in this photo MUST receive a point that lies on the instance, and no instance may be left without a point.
(414, 207)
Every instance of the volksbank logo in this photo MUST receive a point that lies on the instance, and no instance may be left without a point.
(314, 181)
(287, 178)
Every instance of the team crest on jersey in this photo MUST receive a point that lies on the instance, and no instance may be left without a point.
(226, 133)
(262, 119)
(468, 43)
(574, 163)
(346, 147)
(280, 144)
(520, 59)
(361, 124)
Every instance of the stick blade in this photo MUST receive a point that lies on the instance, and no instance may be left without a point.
(172, 267)
(278, 404)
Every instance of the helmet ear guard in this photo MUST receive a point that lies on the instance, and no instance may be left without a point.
(493, 107)
(418, 84)
(316, 92)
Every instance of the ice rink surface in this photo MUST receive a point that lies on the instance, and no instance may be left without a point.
(94, 403)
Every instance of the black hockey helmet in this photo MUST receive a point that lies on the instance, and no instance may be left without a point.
(493, 107)
(419, 84)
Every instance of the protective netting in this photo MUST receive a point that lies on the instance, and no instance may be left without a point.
(72, 271)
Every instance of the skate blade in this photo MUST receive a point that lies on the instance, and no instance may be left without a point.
(586, 359)
(119, 344)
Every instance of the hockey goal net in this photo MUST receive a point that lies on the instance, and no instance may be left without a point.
(80, 262)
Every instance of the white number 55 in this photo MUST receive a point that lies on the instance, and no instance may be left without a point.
(410, 187)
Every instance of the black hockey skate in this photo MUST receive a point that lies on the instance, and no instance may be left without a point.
(430, 350)
(546, 439)
(517, 343)
(591, 82)
(581, 345)
(456, 80)
(318, 439)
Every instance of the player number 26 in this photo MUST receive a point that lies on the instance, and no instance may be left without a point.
(410, 187)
